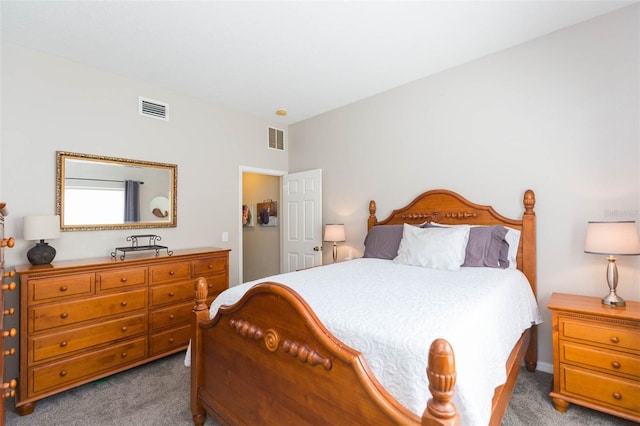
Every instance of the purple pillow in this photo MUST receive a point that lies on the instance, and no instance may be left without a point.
(484, 246)
(383, 241)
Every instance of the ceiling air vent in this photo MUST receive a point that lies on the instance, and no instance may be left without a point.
(276, 139)
(153, 109)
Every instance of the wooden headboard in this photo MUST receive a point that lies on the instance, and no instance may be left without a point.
(450, 208)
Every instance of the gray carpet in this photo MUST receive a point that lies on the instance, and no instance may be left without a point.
(157, 394)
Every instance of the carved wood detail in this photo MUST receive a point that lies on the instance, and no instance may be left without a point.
(441, 373)
(246, 329)
(306, 354)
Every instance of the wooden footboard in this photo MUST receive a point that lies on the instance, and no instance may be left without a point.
(252, 366)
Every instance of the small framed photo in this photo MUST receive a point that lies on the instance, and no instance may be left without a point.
(248, 215)
(267, 213)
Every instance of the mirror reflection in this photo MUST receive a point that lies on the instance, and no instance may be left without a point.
(96, 192)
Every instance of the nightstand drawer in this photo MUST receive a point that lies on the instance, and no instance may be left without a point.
(601, 389)
(75, 369)
(169, 272)
(61, 314)
(612, 335)
(61, 287)
(109, 280)
(66, 342)
(608, 361)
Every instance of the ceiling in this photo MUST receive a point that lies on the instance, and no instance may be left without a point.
(307, 57)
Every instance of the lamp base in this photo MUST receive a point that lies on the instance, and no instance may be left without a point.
(612, 299)
(41, 254)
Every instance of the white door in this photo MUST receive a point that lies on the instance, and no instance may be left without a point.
(301, 220)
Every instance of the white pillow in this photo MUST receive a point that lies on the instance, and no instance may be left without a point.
(438, 248)
(513, 239)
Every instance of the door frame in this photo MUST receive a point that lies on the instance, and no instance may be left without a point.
(256, 170)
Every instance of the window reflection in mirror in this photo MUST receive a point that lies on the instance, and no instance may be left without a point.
(96, 192)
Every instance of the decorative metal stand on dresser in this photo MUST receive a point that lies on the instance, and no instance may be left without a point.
(86, 319)
(8, 387)
(596, 355)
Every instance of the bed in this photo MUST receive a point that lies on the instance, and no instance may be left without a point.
(261, 355)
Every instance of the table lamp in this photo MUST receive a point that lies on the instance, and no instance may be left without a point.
(41, 228)
(334, 233)
(612, 239)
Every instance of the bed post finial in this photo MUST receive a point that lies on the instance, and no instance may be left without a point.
(372, 214)
(441, 373)
(201, 290)
(529, 201)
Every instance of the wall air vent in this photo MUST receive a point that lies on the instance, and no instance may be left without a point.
(153, 109)
(276, 139)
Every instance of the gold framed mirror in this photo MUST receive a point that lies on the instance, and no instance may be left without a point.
(96, 193)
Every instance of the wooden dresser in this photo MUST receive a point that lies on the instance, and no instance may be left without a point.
(8, 386)
(596, 355)
(86, 319)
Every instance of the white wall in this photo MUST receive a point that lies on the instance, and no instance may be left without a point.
(51, 104)
(559, 115)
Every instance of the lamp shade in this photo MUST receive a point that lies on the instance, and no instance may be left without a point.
(612, 238)
(41, 227)
(334, 232)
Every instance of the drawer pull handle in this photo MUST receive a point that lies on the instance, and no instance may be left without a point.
(210, 286)
(64, 344)
(123, 354)
(123, 303)
(9, 274)
(123, 279)
(11, 286)
(64, 315)
(172, 272)
(171, 294)
(9, 311)
(63, 373)
(11, 351)
(63, 288)
(10, 385)
(124, 328)
(614, 339)
(615, 364)
(617, 396)
(171, 340)
(10, 333)
(210, 266)
(171, 316)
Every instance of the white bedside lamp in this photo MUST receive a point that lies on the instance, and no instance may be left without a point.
(41, 228)
(334, 233)
(612, 239)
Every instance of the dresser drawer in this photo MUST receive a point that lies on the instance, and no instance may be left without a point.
(612, 335)
(210, 265)
(614, 392)
(171, 339)
(216, 284)
(49, 289)
(169, 272)
(58, 374)
(109, 280)
(608, 361)
(171, 316)
(68, 313)
(66, 342)
(172, 293)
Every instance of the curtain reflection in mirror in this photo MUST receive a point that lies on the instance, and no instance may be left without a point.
(131, 201)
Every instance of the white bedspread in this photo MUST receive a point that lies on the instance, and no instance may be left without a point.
(391, 313)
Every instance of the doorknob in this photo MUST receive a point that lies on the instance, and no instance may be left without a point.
(317, 248)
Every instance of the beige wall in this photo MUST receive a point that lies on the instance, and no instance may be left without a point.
(53, 104)
(559, 115)
(260, 244)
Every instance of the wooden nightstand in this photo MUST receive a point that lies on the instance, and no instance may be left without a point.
(596, 355)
